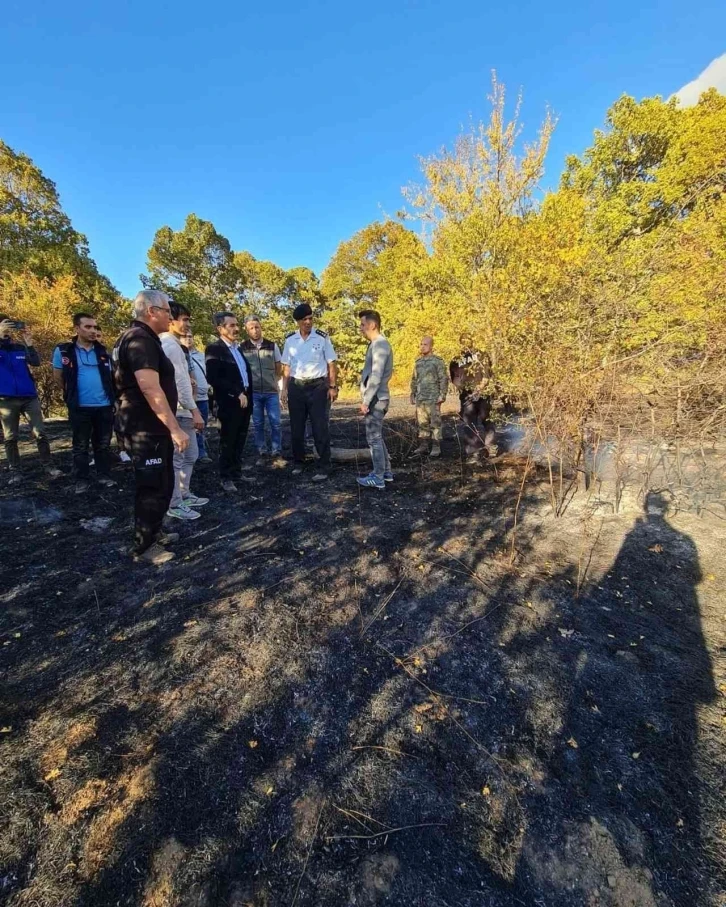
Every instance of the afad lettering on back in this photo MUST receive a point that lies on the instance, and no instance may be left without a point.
(153, 461)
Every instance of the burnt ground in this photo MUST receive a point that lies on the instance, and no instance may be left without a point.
(344, 698)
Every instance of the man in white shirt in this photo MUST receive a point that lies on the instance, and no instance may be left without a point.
(309, 381)
(183, 502)
(201, 391)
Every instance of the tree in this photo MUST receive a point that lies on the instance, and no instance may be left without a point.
(196, 266)
(37, 237)
(374, 269)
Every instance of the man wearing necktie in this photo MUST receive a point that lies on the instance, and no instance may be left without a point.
(229, 376)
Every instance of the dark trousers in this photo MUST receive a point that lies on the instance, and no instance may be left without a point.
(153, 459)
(91, 425)
(118, 432)
(233, 425)
(473, 411)
(309, 400)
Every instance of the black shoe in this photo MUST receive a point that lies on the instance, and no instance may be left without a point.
(81, 487)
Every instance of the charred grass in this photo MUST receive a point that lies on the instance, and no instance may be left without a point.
(337, 697)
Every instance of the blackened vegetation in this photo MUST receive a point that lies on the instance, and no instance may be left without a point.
(336, 697)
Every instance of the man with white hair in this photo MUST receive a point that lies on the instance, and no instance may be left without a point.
(147, 397)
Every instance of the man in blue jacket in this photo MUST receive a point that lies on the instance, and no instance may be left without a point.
(82, 369)
(19, 396)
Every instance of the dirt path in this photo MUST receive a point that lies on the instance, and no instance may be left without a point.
(334, 698)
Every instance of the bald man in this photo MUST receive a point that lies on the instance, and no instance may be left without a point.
(429, 385)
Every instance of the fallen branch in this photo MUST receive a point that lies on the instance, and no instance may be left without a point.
(386, 749)
(390, 831)
(350, 454)
(354, 814)
(461, 727)
(430, 645)
(379, 610)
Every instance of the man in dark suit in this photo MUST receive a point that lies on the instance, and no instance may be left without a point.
(229, 375)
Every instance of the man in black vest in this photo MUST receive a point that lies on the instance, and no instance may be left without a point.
(264, 359)
(82, 369)
(230, 377)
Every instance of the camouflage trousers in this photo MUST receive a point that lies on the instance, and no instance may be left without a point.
(428, 416)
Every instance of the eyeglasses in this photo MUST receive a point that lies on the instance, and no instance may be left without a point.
(161, 308)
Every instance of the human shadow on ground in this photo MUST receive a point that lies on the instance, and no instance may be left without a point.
(618, 818)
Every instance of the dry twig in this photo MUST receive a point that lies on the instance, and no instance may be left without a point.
(307, 858)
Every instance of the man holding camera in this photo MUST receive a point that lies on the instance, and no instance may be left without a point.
(82, 369)
(19, 395)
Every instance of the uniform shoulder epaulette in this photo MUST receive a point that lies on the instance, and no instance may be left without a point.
(291, 334)
(322, 333)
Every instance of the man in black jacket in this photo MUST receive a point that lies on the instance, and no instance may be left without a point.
(230, 377)
(82, 369)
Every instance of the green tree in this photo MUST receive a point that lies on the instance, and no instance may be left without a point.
(196, 266)
(375, 269)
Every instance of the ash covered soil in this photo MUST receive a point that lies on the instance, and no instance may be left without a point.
(344, 698)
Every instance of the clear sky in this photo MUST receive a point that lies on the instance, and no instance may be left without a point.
(291, 125)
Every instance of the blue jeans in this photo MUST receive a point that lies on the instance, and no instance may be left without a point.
(270, 403)
(374, 437)
(203, 407)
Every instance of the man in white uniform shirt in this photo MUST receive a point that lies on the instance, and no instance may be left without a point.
(309, 381)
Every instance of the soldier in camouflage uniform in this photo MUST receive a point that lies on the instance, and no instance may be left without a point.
(471, 373)
(429, 384)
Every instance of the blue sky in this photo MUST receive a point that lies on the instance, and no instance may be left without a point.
(292, 125)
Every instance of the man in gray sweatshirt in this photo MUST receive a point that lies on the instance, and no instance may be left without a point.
(376, 397)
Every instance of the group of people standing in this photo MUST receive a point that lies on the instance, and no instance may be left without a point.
(154, 390)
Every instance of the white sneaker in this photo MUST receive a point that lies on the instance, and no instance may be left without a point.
(183, 513)
(124, 457)
(195, 501)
